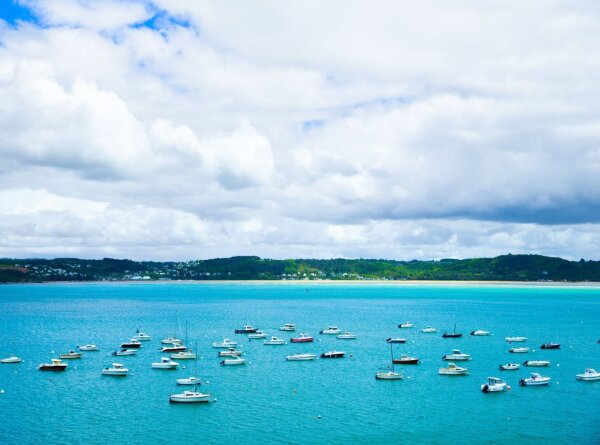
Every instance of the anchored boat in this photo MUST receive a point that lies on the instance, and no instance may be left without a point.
(494, 384)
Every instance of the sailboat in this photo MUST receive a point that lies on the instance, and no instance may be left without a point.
(191, 380)
(185, 355)
(190, 396)
(12, 359)
(389, 375)
(454, 334)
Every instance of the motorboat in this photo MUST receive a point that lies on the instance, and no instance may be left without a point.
(189, 397)
(480, 333)
(234, 361)
(70, 355)
(142, 336)
(494, 384)
(11, 359)
(274, 341)
(396, 340)
(288, 327)
(518, 350)
(535, 380)
(406, 360)
(509, 367)
(247, 329)
(231, 352)
(189, 381)
(165, 363)
(589, 375)
(56, 365)
(302, 338)
(333, 354)
(456, 356)
(540, 363)
(131, 344)
(550, 346)
(452, 369)
(347, 336)
(170, 340)
(515, 339)
(226, 343)
(117, 370)
(331, 330)
(428, 330)
(175, 347)
(183, 355)
(125, 352)
(300, 357)
(388, 375)
(257, 334)
(452, 334)
(88, 348)
(406, 324)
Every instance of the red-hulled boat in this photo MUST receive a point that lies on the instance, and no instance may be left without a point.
(303, 338)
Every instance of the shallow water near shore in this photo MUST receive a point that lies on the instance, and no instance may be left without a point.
(274, 401)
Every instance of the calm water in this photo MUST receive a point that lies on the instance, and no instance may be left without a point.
(274, 401)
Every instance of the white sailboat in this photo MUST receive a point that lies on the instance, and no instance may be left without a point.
(389, 375)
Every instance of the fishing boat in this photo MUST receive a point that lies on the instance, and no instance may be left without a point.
(235, 361)
(480, 333)
(456, 355)
(189, 381)
(390, 374)
(518, 350)
(256, 335)
(515, 339)
(331, 330)
(333, 354)
(190, 397)
(247, 329)
(116, 370)
(88, 348)
(452, 369)
(125, 352)
(231, 352)
(165, 363)
(535, 380)
(11, 360)
(183, 355)
(170, 340)
(540, 363)
(494, 384)
(454, 334)
(56, 365)
(589, 375)
(405, 360)
(302, 338)
(300, 357)
(395, 340)
(131, 344)
(175, 347)
(550, 346)
(406, 324)
(347, 336)
(70, 355)
(288, 327)
(509, 367)
(428, 330)
(274, 341)
(225, 344)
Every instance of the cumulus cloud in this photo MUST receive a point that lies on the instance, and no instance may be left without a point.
(413, 130)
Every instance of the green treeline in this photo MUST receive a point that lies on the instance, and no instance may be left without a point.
(502, 268)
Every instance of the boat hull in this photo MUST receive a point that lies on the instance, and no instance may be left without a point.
(52, 368)
(333, 355)
(11, 360)
(408, 361)
(110, 373)
(180, 398)
(388, 376)
(302, 340)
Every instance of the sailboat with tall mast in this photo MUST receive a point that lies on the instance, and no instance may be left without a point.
(454, 334)
(185, 354)
(190, 396)
(389, 375)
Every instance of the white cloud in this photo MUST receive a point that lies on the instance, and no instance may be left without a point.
(305, 129)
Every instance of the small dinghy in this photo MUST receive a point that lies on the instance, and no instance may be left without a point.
(11, 360)
(300, 357)
(509, 367)
(116, 370)
(535, 380)
(235, 361)
(589, 375)
(540, 363)
(333, 354)
(406, 360)
(480, 333)
(494, 384)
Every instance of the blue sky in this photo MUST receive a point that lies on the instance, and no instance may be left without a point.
(181, 130)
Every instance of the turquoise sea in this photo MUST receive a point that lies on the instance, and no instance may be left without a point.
(274, 401)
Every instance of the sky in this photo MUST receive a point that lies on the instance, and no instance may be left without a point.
(179, 130)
